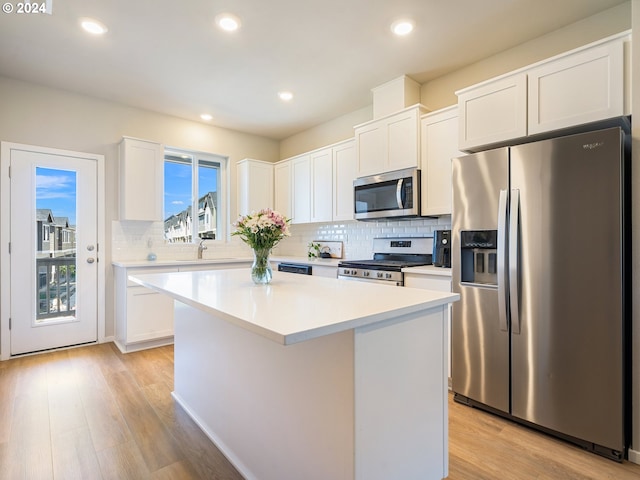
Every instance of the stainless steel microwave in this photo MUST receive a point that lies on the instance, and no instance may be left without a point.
(388, 195)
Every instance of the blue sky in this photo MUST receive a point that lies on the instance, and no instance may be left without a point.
(56, 190)
(177, 185)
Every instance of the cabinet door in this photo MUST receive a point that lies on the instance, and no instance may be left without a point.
(344, 172)
(402, 140)
(301, 189)
(580, 88)
(371, 149)
(493, 112)
(321, 185)
(282, 190)
(141, 180)
(149, 315)
(439, 145)
(255, 186)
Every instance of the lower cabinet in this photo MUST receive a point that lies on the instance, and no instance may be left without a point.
(439, 283)
(325, 271)
(144, 318)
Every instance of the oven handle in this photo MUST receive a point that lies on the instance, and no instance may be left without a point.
(399, 189)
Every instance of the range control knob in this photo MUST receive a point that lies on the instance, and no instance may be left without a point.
(387, 275)
(365, 274)
(379, 274)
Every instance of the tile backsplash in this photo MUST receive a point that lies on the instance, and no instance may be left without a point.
(132, 241)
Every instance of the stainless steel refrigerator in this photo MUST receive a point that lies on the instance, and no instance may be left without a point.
(540, 258)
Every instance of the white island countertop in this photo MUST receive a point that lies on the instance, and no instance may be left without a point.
(293, 308)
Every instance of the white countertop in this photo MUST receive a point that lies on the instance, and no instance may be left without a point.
(428, 270)
(293, 308)
(177, 263)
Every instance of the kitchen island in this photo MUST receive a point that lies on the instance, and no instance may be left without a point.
(311, 377)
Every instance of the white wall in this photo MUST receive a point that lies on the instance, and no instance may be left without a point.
(36, 115)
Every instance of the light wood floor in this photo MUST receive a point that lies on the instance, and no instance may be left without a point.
(91, 413)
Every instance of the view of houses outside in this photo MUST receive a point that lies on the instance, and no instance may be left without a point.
(55, 242)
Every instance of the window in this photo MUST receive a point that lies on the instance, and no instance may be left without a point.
(194, 201)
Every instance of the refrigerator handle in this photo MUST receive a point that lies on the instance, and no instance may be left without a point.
(514, 259)
(502, 262)
(399, 188)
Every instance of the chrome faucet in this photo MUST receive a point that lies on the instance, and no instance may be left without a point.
(201, 248)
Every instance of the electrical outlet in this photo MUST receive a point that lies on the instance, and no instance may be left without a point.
(335, 248)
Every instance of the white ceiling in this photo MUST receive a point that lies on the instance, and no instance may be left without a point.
(168, 57)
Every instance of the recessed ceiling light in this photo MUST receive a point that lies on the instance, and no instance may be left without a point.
(402, 27)
(206, 117)
(93, 26)
(228, 22)
(285, 96)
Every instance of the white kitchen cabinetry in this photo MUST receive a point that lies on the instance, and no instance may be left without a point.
(439, 283)
(493, 112)
(389, 143)
(255, 185)
(324, 271)
(344, 173)
(577, 87)
(141, 180)
(282, 187)
(144, 318)
(301, 189)
(439, 131)
(321, 168)
(318, 185)
(581, 88)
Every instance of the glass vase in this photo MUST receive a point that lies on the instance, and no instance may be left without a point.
(261, 272)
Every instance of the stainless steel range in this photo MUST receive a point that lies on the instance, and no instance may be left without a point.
(390, 256)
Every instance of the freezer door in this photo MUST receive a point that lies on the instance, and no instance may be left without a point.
(480, 347)
(567, 339)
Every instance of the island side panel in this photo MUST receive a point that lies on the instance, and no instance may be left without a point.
(275, 411)
(401, 410)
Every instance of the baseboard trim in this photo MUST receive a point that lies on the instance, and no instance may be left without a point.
(634, 456)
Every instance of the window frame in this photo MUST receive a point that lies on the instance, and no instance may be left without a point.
(198, 158)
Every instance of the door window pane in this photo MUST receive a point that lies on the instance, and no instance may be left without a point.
(55, 243)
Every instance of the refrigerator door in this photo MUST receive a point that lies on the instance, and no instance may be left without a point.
(480, 345)
(567, 340)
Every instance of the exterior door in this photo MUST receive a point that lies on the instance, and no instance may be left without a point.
(53, 244)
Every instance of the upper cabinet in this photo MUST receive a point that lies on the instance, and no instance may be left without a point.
(317, 186)
(282, 188)
(321, 168)
(141, 180)
(389, 143)
(254, 185)
(581, 86)
(301, 189)
(439, 132)
(344, 173)
(493, 112)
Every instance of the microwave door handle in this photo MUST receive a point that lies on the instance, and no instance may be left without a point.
(399, 188)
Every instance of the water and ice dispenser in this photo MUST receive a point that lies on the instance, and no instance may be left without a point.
(479, 256)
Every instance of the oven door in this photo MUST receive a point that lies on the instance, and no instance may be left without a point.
(388, 195)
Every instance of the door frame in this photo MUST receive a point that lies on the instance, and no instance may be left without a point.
(5, 236)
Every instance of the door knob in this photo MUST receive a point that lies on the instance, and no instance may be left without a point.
(90, 248)
(90, 260)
